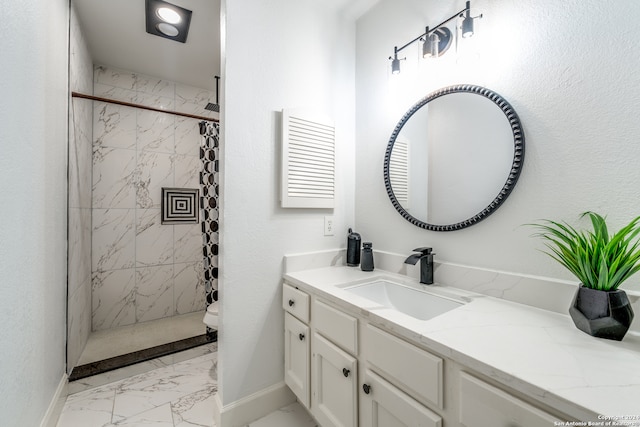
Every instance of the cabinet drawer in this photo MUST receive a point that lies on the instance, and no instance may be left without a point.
(339, 327)
(410, 368)
(295, 302)
(483, 405)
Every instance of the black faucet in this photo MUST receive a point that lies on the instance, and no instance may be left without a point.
(426, 264)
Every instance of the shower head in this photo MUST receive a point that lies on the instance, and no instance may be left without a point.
(214, 107)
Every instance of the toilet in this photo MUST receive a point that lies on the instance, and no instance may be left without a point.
(211, 316)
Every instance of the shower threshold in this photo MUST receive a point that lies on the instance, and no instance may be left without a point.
(122, 346)
(112, 363)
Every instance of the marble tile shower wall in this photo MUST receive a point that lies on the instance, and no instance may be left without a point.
(143, 270)
(80, 152)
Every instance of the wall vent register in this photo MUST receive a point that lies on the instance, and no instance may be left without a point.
(308, 160)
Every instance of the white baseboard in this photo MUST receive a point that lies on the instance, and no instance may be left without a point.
(252, 407)
(57, 403)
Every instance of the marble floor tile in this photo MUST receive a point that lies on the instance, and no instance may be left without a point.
(175, 394)
(194, 410)
(91, 408)
(160, 416)
(179, 394)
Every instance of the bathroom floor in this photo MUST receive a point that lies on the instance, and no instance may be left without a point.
(177, 393)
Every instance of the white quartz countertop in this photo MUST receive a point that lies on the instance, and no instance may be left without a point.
(534, 351)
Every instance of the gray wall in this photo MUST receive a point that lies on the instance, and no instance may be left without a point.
(33, 182)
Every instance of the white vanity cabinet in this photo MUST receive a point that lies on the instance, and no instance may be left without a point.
(483, 405)
(296, 342)
(349, 372)
(392, 391)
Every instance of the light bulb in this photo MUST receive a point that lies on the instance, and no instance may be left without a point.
(467, 25)
(168, 15)
(434, 45)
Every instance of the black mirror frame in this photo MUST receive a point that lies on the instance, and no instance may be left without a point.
(516, 166)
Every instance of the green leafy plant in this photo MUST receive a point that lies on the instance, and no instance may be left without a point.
(598, 260)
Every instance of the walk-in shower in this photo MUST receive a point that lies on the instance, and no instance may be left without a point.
(143, 220)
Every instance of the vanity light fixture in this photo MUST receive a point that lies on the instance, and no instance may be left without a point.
(395, 62)
(167, 20)
(436, 40)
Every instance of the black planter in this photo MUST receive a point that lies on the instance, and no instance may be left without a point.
(602, 314)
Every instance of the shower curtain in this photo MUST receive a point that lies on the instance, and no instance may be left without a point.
(209, 207)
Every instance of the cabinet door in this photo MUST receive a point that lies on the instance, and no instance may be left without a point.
(296, 357)
(335, 382)
(384, 405)
(483, 405)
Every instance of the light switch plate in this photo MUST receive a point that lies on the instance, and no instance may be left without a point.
(328, 225)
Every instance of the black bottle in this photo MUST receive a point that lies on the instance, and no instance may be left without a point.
(367, 257)
(353, 249)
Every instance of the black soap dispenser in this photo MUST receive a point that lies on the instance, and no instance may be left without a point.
(353, 249)
(367, 257)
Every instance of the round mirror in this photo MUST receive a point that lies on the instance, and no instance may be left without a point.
(453, 158)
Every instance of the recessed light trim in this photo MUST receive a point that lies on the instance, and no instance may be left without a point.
(161, 20)
(168, 15)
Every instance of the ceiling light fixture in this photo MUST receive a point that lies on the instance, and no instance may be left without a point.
(436, 40)
(167, 20)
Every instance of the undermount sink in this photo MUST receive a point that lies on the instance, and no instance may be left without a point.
(410, 301)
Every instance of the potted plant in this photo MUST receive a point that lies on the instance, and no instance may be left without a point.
(601, 262)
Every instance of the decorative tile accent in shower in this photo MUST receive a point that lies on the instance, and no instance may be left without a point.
(180, 206)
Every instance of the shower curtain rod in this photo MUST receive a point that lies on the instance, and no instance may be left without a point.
(144, 107)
